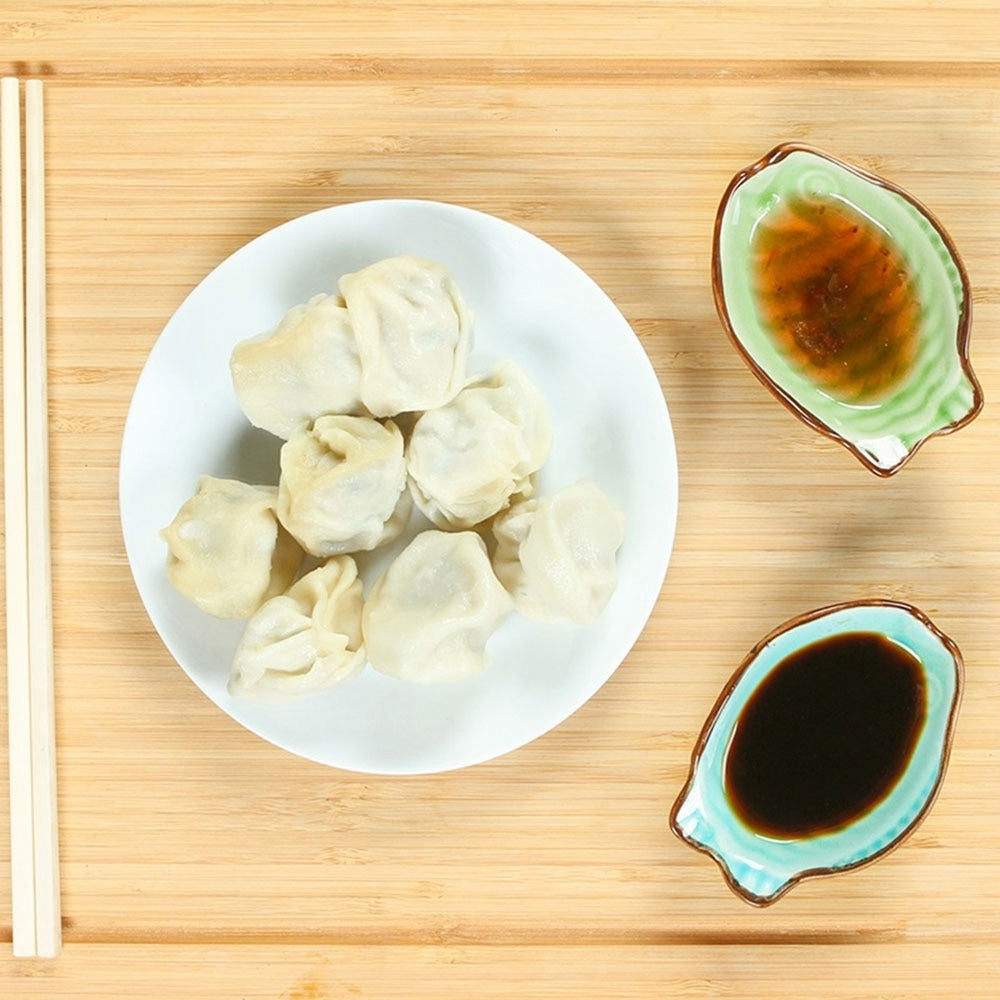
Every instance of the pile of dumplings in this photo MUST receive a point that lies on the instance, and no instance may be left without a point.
(370, 392)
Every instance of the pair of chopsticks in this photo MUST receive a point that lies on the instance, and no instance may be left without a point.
(34, 853)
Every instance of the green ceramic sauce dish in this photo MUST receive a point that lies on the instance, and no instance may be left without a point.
(848, 300)
(826, 748)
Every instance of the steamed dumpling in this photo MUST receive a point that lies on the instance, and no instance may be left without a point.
(342, 485)
(413, 333)
(429, 616)
(306, 367)
(556, 554)
(305, 640)
(469, 457)
(227, 551)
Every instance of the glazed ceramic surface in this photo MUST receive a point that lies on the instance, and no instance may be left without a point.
(761, 868)
(938, 391)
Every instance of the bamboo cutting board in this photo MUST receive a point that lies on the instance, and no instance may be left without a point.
(198, 860)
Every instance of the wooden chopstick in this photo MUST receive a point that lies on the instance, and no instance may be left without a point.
(48, 918)
(22, 847)
(34, 855)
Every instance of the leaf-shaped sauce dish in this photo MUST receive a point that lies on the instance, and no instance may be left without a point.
(826, 748)
(848, 300)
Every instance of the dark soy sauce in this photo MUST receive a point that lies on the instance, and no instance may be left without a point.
(825, 736)
(836, 296)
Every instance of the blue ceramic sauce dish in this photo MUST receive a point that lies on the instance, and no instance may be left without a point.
(826, 748)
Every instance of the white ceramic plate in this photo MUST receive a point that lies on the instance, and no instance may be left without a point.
(610, 423)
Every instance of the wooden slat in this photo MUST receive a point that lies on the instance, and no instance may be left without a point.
(220, 37)
(638, 972)
(195, 855)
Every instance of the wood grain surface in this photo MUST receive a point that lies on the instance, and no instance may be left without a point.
(198, 860)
